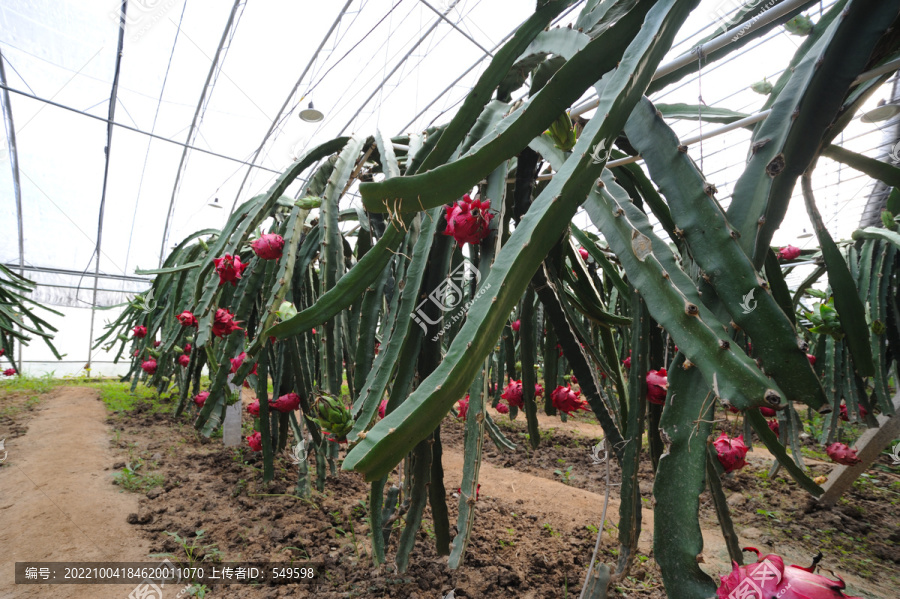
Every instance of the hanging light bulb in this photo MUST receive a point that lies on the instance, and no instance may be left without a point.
(215, 204)
(804, 235)
(311, 115)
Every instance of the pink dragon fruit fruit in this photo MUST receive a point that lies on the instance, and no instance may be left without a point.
(187, 319)
(769, 577)
(538, 390)
(224, 323)
(269, 246)
(149, 366)
(566, 400)
(184, 360)
(503, 408)
(584, 254)
(574, 379)
(812, 359)
(200, 398)
(773, 425)
(513, 394)
(788, 252)
(236, 363)
(382, 408)
(229, 268)
(842, 454)
(140, 331)
(657, 386)
(516, 325)
(846, 418)
(9, 372)
(767, 412)
(462, 407)
(627, 363)
(253, 407)
(187, 349)
(468, 220)
(731, 452)
(287, 403)
(255, 441)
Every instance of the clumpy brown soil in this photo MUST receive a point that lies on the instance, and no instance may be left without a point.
(531, 538)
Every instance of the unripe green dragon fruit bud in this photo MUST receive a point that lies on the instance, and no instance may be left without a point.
(762, 87)
(333, 416)
(887, 219)
(286, 311)
(563, 133)
(203, 245)
(799, 25)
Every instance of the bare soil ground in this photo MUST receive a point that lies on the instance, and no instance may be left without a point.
(534, 529)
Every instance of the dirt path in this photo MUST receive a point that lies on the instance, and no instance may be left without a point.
(56, 500)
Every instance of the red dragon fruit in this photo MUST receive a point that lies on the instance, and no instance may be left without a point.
(229, 268)
(842, 454)
(462, 407)
(773, 425)
(812, 359)
(184, 360)
(788, 252)
(149, 366)
(503, 408)
(468, 220)
(566, 400)
(731, 452)
(253, 407)
(382, 408)
(224, 323)
(187, 319)
(200, 398)
(513, 394)
(538, 390)
(269, 246)
(627, 363)
(287, 403)
(157, 343)
(584, 254)
(187, 349)
(767, 412)
(769, 577)
(846, 418)
(255, 441)
(9, 372)
(657, 386)
(516, 325)
(2, 352)
(574, 379)
(140, 331)
(236, 363)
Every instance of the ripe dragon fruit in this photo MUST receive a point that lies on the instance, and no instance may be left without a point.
(842, 454)
(140, 331)
(184, 360)
(9, 372)
(513, 394)
(187, 319)
(657, 386)
(253, 407)
(812, 359)
(224, 323)
(382, 408)
(236, 363)
(731, 452)
(516, 325)
(269, 246)
(149, 366)
(767, 412)
(538, 390)
(2, 352)
(627, 363)
(574, 379)
(788, 252)
(157, 343)
(769, 577)
(229, 268)
(462, 407)
(200, 398)
(503, 408)
(584, 254)
(566, 400)
(773, 426)
(846, 418)
(468, 220)
(255, 441)
(287, 403)
(187, 349)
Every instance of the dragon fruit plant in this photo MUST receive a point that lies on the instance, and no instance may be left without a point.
(458, 228)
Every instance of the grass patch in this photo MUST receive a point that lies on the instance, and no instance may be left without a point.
(117, 397)
(130, 479)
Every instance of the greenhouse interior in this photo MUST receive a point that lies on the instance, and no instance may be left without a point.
(450, 298)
